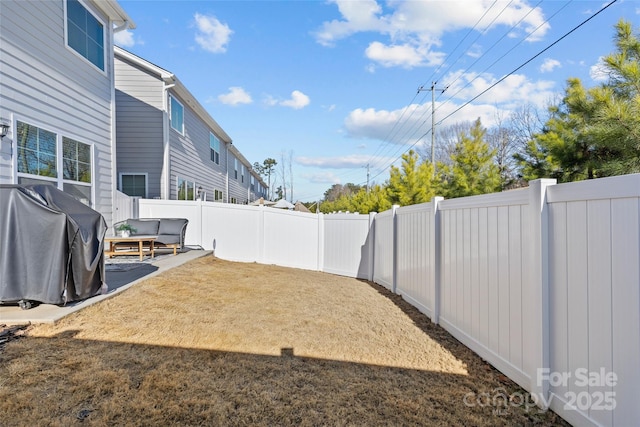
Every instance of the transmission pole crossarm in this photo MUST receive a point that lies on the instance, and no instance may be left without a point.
(433, 120)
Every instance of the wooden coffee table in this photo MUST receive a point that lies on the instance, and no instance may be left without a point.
(138, 241)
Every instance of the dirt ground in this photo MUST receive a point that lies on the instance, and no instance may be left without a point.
(220, 343)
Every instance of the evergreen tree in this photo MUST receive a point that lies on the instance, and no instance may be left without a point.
(593, 132)
(413, 183)
(472, 170)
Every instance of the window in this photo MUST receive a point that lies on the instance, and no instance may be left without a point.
(214, 143)
(234, 200)
(242, 166)
(46, 157)
(76, 160)
(36, 151)
(85, 34)
(217, 195)
(177, 115)
(186, 189)
(235, 168)
(253, 183)
(134, 184)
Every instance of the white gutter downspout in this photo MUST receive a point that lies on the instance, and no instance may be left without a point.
(226, 145)
(166, 158)
(114, 157)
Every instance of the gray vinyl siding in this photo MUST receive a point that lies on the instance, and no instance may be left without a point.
(42, 82)
(237, 188)
(139, 125)
(143, 131)
(191, 156)
(138, 83)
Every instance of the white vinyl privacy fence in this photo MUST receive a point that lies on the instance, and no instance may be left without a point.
(542, 282)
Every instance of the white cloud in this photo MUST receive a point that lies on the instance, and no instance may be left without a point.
(124, 38)
(297, 101)
(412, 124)
(598, 72)
(358, 16)
(322, 178)
(235, 96)
(403, 55)
(405, 40)
(211, 35)
(549, 65)
(350, 161)
(515, 90)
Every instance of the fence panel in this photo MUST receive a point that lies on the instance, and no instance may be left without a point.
(125, 207)
(348, 245)
(291, 239)
(191, 210)
(594, 299)
(483, 281)
(383, 249)
(416, 271)
(234, 232)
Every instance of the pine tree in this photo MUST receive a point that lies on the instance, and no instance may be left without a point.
(593, 132)
(473, 170)
(413, 183)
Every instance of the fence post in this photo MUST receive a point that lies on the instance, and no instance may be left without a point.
(321, 241)
(371, 238)
(394, 240)
(260, 240)
(200, 221)
(435, 260)
(539, 288)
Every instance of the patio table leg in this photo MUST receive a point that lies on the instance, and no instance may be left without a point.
(140, 250)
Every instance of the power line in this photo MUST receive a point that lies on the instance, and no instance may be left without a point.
(528, 61)
(509, 74)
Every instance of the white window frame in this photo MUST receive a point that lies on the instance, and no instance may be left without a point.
(181, 130)
(146, 181)
(105, 30)
(215, 157)
(59, 179)
(195, 187)
(235, 169)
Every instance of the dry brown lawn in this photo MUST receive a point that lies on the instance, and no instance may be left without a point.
(221, 343)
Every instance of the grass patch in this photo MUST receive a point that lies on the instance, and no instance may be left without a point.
(221, 343)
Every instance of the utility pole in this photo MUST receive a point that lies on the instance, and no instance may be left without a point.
(367, 178)
(433, 120)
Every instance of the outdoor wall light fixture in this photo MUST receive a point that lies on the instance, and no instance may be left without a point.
(4, 129)
(199, 193)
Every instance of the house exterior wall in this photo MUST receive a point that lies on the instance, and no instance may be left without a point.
(139, 125)
(46, 84)
(148, 144)
(190, 155)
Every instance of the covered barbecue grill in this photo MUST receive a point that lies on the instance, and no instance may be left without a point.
(51, 246)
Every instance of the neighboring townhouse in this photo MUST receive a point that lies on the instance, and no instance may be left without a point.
(168, 146)
(56, 96)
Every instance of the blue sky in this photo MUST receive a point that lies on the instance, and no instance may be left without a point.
(333, 85)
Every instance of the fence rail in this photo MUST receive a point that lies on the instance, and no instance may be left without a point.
(542, 282)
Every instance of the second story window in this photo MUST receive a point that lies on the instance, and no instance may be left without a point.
(235, 168)
(177, 115)
(214, 144)
(85, 34)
